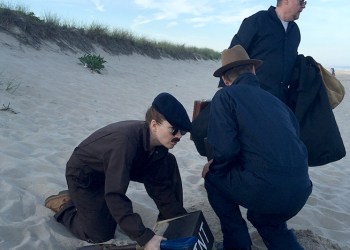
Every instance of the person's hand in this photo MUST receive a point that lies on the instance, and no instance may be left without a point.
(206, 168)
(154, 243)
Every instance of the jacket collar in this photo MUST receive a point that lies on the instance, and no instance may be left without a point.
(247, 78)
(273, 15)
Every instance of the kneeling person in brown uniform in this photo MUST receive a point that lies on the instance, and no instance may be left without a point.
(101, 167)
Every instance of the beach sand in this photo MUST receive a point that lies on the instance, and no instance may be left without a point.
(53, 103)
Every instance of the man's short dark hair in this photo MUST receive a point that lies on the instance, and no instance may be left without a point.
(153, 114)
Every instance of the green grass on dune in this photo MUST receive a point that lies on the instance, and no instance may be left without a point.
(33, 30)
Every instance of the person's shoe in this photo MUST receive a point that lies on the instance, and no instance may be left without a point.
(56, 202)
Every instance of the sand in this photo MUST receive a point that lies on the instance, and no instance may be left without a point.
(50, 102)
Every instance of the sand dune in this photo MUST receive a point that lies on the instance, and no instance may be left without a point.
(58, 103)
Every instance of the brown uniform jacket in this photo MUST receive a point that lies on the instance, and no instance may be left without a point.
(119, 153)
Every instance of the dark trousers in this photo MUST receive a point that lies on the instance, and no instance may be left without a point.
(87, 215)
(271, 227)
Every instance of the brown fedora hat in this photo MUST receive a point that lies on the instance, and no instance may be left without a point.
(233, 57)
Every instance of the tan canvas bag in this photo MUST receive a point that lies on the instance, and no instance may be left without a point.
(335, 90)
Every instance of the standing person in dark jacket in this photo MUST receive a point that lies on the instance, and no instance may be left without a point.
(273, 37)
(101, 167)
(258, 162)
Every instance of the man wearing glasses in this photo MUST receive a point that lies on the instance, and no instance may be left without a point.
(101, 167)
(273, 37)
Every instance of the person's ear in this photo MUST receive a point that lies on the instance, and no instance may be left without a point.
(153, 126)
(227, 82)
(253, 70)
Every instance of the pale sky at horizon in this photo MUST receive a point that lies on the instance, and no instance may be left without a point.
(324, 24)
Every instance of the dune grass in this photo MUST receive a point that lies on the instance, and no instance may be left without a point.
(9, 85)
(33, 30)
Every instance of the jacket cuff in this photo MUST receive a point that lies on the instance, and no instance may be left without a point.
(145, 237)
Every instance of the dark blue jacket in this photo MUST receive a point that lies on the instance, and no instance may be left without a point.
(251, 130)
(264, 37)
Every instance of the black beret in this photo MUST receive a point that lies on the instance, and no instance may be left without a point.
(173, 111)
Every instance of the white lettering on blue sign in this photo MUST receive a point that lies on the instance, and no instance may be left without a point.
(203, 239)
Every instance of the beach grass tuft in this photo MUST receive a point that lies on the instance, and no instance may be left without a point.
(8, 109)
(93, 62)
(9, 85)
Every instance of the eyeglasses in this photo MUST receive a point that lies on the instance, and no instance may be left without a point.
(302, 2)
(174, 131)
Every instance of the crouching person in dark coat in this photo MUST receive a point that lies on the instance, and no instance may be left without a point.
(258, 162)
(101, 167)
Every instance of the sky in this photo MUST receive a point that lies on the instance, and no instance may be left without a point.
(324, 24)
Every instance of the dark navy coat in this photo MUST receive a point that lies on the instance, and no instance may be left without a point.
(309, 102)
(263, 36)
(257, 150)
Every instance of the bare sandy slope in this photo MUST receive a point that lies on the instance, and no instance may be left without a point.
(53, 103)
